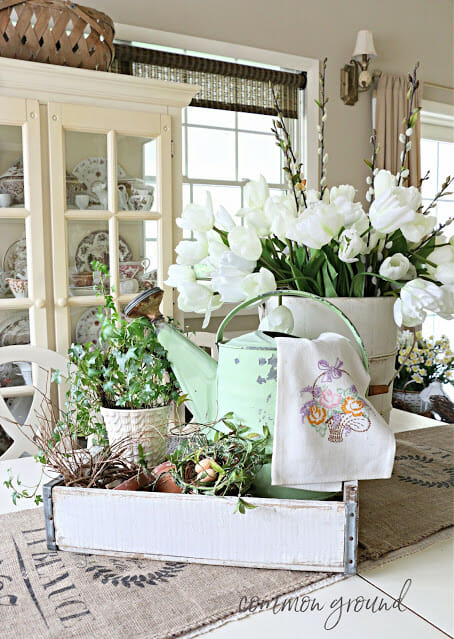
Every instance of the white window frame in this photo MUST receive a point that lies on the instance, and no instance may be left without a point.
(308, 133)
(437, 121)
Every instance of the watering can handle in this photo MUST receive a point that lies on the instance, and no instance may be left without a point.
(280, 293)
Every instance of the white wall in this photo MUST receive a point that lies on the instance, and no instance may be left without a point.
(404, 31)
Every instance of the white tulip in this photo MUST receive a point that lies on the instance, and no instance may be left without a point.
(350, 245)
(191, 252)
(259, 283)
(395, 267)
(256, 193)
(344, 191)
(447, 302)
(197, 298)
(216, 248)
(223, 220)
(179, 274)
(441, 255)
(393, 208)
(383, 181)
(417, 297)
(197, 218)
(229, 287)
(245, 243)
(444, 273)
(421, 226)
(258, 221)
(316, 226)
(234, 265)
(279, 320)
(404, 318)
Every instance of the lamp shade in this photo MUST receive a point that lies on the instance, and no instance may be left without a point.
(364, 45)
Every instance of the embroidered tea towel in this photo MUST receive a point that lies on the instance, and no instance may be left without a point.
(325, 431)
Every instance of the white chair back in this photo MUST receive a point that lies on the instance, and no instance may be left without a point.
(45, 361)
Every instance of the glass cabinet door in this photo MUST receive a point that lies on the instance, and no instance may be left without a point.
(110, 202)
(23, 304)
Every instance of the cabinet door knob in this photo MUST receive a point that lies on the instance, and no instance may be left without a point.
(62, 302)
(40, 303)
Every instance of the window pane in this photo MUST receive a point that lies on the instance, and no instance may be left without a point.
(258, 154)
(86, 170)
(136, 160)
(87, 241)
(255, 122)
(445, 161)
(139, 271)
(13, 251)
(11, 167)
(211, 154)
(227, 196)
(210, 117)
(429, 163)
(445, 210)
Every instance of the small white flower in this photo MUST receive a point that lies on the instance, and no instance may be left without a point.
(408, 146)
(405, 173)
(389, 245)
(402, 156)
(409, 132)
(319, 150)
(368, 180)
(374, 280)
(350, 245)
(319, 128)
(324, 117)
(369, 196)
(325, 157)
(402, 138)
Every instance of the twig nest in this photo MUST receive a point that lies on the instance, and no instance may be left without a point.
(205, 473)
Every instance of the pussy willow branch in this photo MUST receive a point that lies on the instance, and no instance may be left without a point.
(323, 102)
(441, 193)
(414, 84)
(289, 156)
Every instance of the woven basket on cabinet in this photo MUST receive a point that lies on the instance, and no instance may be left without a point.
(56, 32)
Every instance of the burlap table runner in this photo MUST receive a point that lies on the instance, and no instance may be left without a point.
(58, 595)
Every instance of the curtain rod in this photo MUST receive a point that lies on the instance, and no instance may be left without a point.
(377, 74)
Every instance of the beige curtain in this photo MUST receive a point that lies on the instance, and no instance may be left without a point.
(391, 109)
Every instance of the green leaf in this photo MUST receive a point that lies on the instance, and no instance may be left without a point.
(369, 164)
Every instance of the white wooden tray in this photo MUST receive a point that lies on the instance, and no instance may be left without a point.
(279, 533)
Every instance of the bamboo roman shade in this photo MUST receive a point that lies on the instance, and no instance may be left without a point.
(224, 85)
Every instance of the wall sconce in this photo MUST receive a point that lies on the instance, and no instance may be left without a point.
(355, 76)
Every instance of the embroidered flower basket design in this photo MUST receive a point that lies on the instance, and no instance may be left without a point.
(333, 408)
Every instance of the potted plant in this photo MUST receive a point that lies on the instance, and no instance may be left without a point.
(216, 462)
(320, 240)
(425, 364)
(127, 377)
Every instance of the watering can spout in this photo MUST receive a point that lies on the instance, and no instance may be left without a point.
(194, 369)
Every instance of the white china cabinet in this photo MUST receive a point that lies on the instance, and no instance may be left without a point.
(90, 168)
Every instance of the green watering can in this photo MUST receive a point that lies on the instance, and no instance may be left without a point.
(243, 381)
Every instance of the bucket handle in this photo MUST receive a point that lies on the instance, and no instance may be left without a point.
(316, 298)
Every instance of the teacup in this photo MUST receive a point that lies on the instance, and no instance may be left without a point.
(5, 200)
(141, 199)
(82, 279)
(18, 287)
(82, 201)
(129, 286)
(128, 270)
